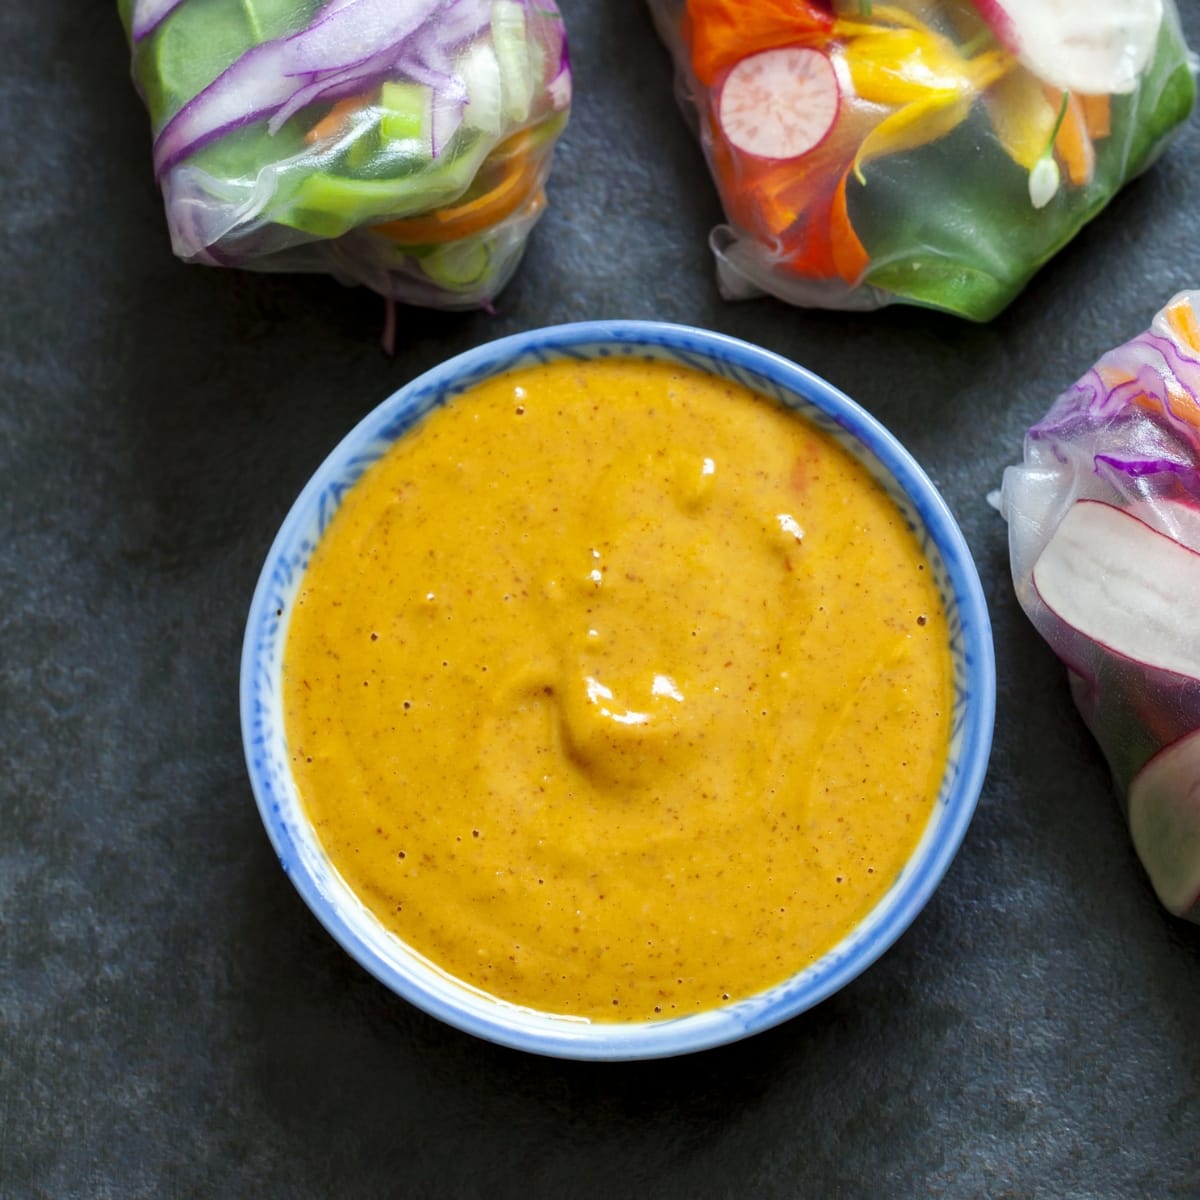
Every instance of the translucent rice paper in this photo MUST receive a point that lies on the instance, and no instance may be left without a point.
(933, 152)
(400, 144)
(1117, 460)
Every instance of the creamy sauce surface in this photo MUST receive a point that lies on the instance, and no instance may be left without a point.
(617, 691)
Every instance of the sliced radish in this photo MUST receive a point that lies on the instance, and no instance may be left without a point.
(1089, 46)
(1164, 820)
(780, 103)
(1122, 584)
(1178, 519)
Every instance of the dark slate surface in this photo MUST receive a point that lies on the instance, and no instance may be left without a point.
(173, 1022)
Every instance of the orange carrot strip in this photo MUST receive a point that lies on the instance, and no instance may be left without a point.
(1181, 316)
(1097, 116)
(1073, 144)
(1182, 405)
(517, 175)
(331, 124)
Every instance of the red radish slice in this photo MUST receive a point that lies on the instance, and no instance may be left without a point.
(1124, 585)
(1178, 519)
(780, 103)
(1089, 46)
(1164, 820)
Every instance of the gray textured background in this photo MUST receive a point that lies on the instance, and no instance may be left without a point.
(173, 1022)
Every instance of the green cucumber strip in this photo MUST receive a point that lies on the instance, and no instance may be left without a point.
(511, 42)
(459, 264)
(405, 112)
(328, 205)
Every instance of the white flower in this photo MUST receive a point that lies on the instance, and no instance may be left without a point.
(1043, 181)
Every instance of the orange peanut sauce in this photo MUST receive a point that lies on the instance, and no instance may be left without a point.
(618, 691)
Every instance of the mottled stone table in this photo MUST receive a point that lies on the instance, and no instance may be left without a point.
(173, 1021)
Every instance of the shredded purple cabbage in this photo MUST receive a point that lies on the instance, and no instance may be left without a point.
(1138, 468)
(1144, 397)
(148, 15)
(328, 61)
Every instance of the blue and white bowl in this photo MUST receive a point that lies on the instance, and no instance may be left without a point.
(414, 977)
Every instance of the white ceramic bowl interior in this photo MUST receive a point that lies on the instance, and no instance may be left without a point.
(414, 977)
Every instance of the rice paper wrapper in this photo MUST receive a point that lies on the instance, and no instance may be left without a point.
(400, 144)
(931, 152)
(1104, 538)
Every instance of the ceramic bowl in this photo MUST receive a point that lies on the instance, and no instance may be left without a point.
(414, 977)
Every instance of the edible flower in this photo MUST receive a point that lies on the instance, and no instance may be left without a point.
(1043, 181)
(722, 32)
(928, 81)
(900, 82)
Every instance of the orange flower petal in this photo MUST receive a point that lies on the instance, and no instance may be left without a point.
(850, 256)
(725, 31)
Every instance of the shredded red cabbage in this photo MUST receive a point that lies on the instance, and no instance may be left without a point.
(149, 14)
(350, 45)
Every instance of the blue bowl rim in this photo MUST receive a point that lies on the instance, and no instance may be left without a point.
(511, 1026)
